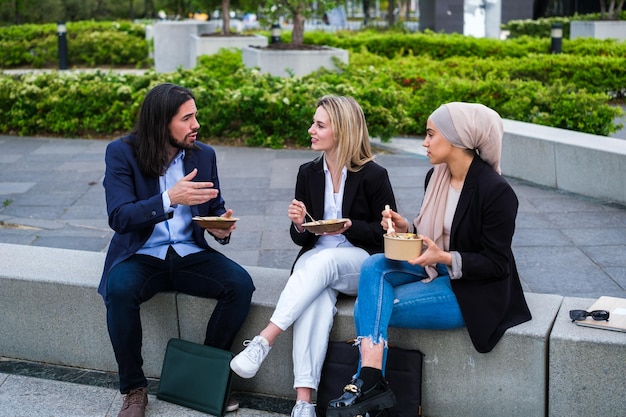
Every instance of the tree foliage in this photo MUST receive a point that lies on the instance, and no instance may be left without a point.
(298, 11)
(50, 11)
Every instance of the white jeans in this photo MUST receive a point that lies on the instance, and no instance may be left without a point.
(308, 303)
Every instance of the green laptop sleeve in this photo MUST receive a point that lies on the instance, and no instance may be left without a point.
(196, 376)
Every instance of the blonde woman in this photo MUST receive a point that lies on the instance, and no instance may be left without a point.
(343, 182)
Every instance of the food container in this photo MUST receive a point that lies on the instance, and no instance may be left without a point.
(214, 222)
(324, 226)
(402, 246)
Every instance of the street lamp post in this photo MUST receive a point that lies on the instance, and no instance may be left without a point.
(557, 38)
(62, 35)
(275, 33)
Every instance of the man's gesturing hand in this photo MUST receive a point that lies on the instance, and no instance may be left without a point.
(189, 193)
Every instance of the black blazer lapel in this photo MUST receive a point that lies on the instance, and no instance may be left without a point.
(349, 192)
(317, 182)
(467, 194)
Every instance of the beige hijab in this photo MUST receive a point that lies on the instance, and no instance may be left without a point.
(467, 126)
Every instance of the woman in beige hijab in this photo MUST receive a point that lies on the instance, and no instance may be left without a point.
(465, 277)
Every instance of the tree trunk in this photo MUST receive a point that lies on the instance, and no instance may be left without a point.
(602, 9)
(18, 18)
(297, 35)
(614, 11)
(391, 18)
(149, 8)
(225, 17)
(100, 9)
(366, 12)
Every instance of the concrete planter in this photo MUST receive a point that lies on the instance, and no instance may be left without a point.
(283, 63)
(209, 45)
(599, 29)
(171, 42)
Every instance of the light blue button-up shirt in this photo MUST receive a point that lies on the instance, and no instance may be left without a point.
(176, 231)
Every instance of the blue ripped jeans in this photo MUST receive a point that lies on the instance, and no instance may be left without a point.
(391, 294)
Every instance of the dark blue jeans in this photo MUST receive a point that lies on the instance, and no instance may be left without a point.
(205, 274)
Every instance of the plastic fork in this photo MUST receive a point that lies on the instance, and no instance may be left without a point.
(390, 230)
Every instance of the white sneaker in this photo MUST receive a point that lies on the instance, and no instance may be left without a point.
(248, 362)
(303, 409)
(233, 404)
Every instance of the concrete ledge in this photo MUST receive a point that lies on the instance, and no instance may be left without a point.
(586, 367)
(50, 312)
(585, 164)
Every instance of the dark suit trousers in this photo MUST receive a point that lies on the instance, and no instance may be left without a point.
(205, 274)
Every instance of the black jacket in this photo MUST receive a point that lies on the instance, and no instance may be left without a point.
(489, 292)
(366, 193)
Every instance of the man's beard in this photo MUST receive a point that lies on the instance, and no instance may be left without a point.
(182, 144)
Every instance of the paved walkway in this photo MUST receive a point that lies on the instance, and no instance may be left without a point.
(51, 195)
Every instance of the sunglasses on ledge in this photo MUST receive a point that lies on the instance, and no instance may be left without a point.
(598, 315)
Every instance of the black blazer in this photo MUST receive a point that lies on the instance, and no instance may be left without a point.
(489, 292)
(366, 193)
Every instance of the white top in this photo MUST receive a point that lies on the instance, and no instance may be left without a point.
(451, 203)
(333, 203)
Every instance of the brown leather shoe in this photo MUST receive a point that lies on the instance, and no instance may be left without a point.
(135, 403)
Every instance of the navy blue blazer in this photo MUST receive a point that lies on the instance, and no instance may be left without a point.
(489, 292)
(134, 203)
(365, 195)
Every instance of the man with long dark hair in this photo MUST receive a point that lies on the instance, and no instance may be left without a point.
(157, 178)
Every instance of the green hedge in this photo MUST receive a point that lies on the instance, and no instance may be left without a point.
(88, 44)
(595, 74)
(542, 27)
(442, 46)
(239, 103)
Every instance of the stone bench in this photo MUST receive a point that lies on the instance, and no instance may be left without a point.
(587, 367)
(50, 312)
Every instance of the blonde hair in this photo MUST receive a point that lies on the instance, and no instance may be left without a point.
(350, 129)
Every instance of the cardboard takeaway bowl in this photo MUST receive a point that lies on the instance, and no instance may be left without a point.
(324, 226)
(215, 222)
(403, 246)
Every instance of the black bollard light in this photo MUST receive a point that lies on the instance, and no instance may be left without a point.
(62, 32)
(275, 33)
(557, 38)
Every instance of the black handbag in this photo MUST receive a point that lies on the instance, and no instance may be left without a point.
(403, 373)
(196, 376)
